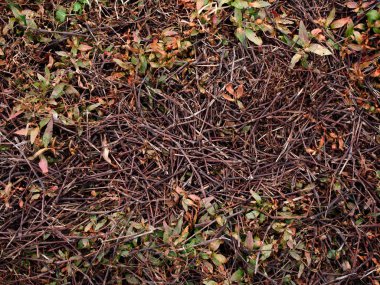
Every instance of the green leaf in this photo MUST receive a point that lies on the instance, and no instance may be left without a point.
(77, 7)
(143, 64)
(132, 279)
(240, 4)
(60, 15)
(84, 243)
(256, 196)
(253, 37)
(238, 15)
(121, 63)
(373, 16)
(330, 17)
(240, 34)
(266, 251)
(48, 134)
(295, 255)
(58, 91)
(93, 107)
(218, 259)
(237, 276)
(318, 49)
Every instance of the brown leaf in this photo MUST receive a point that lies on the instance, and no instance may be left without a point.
(352, 5)
(228, 97)
(239, 91)
(22, 132)
(33, 134)
(84, 47)
(340, 23)
(106, 151)
(249, 242)
(230, 89)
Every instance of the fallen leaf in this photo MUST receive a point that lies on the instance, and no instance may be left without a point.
(239, 91)
(48, 134)
(43, 164)
(58, 90)
(296, 58)
(22, 132)
(230, 89)
(330, 17)
(259, 4)
(318, 49)
(340, 23)
(33, 134)
(228, 97)
(352, 5)
(304, 37)
(106, 151)
(84, 47)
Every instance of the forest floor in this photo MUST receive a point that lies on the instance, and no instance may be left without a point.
(189, 142)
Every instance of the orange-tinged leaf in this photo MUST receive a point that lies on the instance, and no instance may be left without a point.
(352, 5)
(340, 23)
(239, 91)
(228, 97)
(316, 32)
(230, 89)
(84, 47)
(376, 73)
(22, 132)
(43, 164)
(33, 134)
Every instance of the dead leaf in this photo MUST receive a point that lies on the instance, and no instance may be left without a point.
(84, 47)
(43, 164)
(340, 23)
(228, 97)
(296, 58)
(48, 134)
(22, 132)
(106, 151)
(239, 91)
(304, 37)
(318, 49)
(230, 89)
(33, 134)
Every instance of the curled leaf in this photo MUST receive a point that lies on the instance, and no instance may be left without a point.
(106, 151)
(296, 58)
